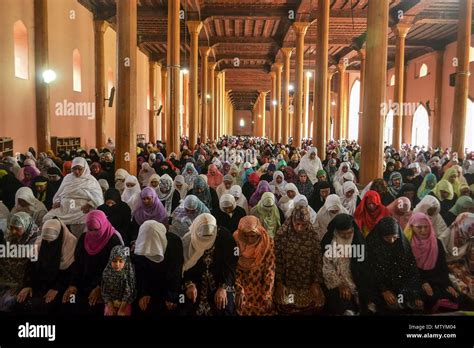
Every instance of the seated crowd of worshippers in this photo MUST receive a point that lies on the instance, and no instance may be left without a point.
(240, 226)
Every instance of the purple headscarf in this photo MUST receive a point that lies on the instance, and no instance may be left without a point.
(155, 212)
(263, 186)
(99, 232)
(33, 172)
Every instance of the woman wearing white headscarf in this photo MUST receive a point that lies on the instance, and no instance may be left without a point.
(343, 174)
(209, 268)
(311, 163)
(228, 214)
(25, 201)
(331, 208)
(278, 184)
(131, 193)
(158, 267)
(430, 206)
(239, 197)
(154, 182)
(78, 194)
(180, 185)
(190, 174)
(225, 186)
(145, 173)
(120, 176)
(350, 197)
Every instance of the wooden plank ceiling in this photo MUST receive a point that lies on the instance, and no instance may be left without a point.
(254, 31)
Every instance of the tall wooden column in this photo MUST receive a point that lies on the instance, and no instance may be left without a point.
(306, 122)
(204, 92)
(272, 134)
(330, 108)
(125, 131)
(159, 101)
(99, 76)
(43, 122)
(400, 30)
(216, 103)
(194, 28)
(374, 90)
(278, 117)
(342, 103)
(321, 79)
(361, 99)
(285, 130)
(211, 108)
(300, 29)
(152, 96)
(263, 112)
(174, 74)
(439, 55)
(461, 89)
(185, 130)
(222, 101)
(164, 102)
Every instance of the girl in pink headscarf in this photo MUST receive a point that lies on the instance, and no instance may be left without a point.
(91, 257)
(214, 176)
(430, 257)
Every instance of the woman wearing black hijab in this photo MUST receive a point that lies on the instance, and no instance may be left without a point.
(321, 190)
(409, 191)
(347, 275)
(397, 286)
(117, 212)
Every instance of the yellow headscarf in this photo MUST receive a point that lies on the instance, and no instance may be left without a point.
(443, 185)
(457, 183)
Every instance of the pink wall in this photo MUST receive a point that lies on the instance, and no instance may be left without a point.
(17, 96)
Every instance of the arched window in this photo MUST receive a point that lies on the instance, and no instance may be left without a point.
(76, 71)
(392, 80)
(388, 128)
(354, 111)
(20, 49)
(421, 127)
(423, 70)
(468, 138)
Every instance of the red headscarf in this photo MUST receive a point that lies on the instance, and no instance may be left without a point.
(253, 179)
(366, 220)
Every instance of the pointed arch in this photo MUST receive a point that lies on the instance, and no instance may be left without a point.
(20, 50)
(420, 127)
(354, 103)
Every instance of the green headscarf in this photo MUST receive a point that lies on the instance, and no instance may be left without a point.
(463, 202)
(423, 190)
(267, 212)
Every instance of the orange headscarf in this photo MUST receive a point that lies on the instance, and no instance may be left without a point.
(251, 255)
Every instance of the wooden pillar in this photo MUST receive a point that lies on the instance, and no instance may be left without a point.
(400, 30)
(222, 101)
(194, 28)
(43, 122)
(300, 29)
(99, 76)
(361, 99)
(212, 94)
(204, 92)
(174, 73)
(263, 112)
(307, 77)
(341, 122)
(164, 111)
(439, 56)
(216, 104)
(278, 117)
(330, 108)
(152, 101)
(159, 101)
(374, 90)
(461, 89)
(185, 129)
(272, 134)
(125, 130)
(286, 95)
